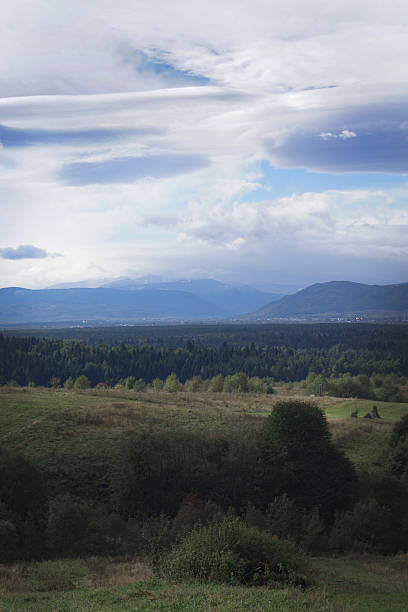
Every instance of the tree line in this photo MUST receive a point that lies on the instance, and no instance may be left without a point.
(31, 360)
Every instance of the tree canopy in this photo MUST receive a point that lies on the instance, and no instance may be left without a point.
(298, 457)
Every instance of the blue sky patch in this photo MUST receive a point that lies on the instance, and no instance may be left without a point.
(156, 64)
(284, 182)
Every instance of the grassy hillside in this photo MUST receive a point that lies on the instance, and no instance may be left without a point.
(37, 419)
(83, 428)
(75, 438)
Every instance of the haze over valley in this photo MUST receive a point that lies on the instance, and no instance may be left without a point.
(121, 302)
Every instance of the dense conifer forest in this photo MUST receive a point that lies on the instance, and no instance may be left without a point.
(281, 352)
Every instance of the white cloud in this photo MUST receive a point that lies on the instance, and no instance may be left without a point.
(274, 68)
(347, 134)
(327, 222)
(343, 135)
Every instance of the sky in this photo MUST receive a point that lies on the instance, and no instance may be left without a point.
(251, 141)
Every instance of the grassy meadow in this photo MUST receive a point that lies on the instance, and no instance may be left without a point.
(86, 426)
(69, 433)
(354, 584)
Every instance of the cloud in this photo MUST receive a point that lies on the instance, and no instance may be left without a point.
(361, 223)
(343, 135)
(131, 169)
(192, 96)
(157, 64)
(26, 137)
(26, 251)
(375, 140)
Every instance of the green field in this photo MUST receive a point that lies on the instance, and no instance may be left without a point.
(86, 426)
(389, 411)
(352, 584)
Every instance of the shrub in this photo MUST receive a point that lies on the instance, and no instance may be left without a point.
(82, 382)
(172, 384)
(230, 552)
(69, 383)
(237, 383)
(399, 459)
(194, 384)
(139, 385)
(130, 382)
(399, 431)
(366, 528)
(178, 462)
(194, 511)
(67, 528)
(21, 485)
(157, 384)
(284, 519)
(216, 383)
(8, 541)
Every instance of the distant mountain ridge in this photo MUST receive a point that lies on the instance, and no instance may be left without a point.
(339, 297)
(128, 301)
(198, 300)
(19, 305)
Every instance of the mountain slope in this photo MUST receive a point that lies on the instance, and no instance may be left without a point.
(339, 297)
(19, 305)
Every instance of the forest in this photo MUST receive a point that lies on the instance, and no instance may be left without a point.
(280, 352)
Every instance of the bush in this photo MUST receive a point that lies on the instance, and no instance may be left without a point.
(139, 385)
(172, 384)
(82, 382)
(366, 528)
(194, 511)
(284, 519)
(194, 384)
(399, 431)
(216, 383)
(230, 552)
(67, 531)
(399, 459)
(21, 485)
(157, 384)
(237, 383)
(8, 541)
(69, 383)
(178, 462)
(130, 382)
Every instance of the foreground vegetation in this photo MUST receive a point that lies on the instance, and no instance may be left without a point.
(355, 584)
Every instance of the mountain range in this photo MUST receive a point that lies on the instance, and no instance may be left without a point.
(130, 301)
(340, 298)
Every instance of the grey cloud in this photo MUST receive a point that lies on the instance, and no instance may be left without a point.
(367, 139)
(131, 169)
(26, 251)
(161, 221)
(17, 137)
